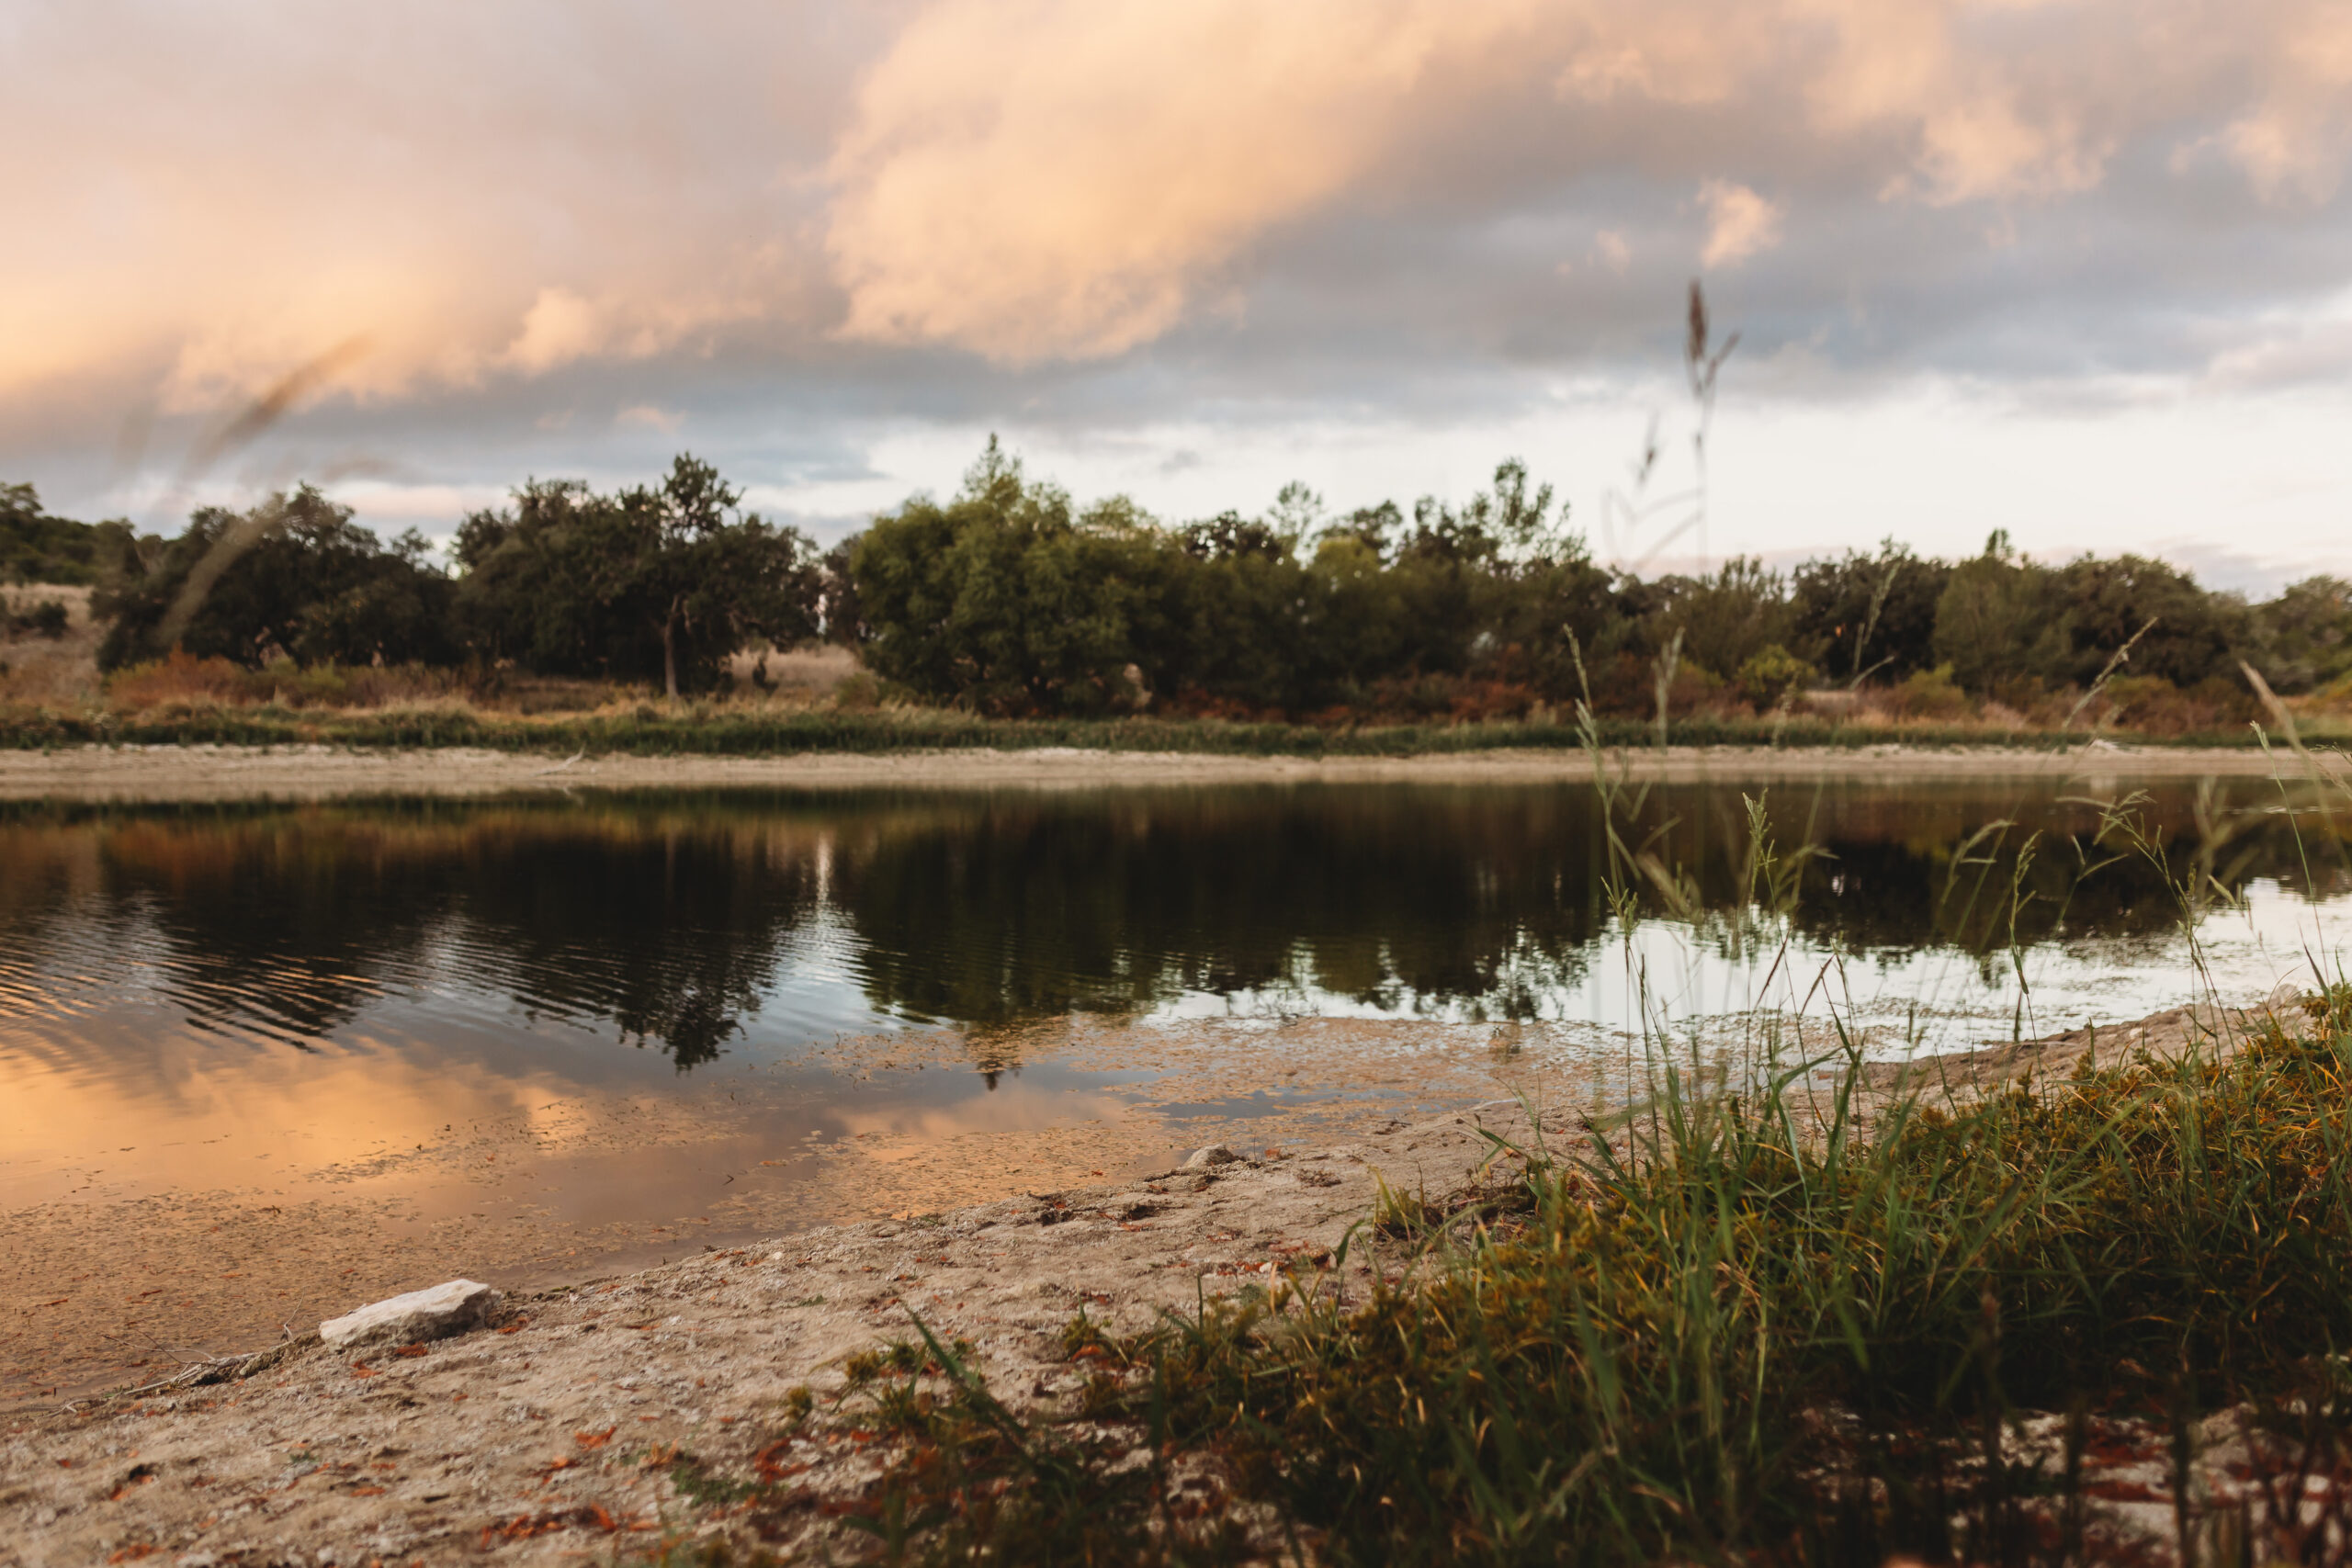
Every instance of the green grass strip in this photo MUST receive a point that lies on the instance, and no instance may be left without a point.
(658, 733)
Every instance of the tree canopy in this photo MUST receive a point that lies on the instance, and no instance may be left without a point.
(661, 580)
(37, 548)
(1011, 598)
(291, 578)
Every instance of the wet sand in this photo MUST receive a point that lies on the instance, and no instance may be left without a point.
(124, 1261)
(560, 1438)
(108, 1284)
(134, 774)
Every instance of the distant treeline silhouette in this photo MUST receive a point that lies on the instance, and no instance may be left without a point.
(1010, 599)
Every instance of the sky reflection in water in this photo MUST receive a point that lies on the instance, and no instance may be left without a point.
(388, 968)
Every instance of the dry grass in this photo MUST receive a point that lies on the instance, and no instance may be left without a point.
(805, 675)
(49, 671)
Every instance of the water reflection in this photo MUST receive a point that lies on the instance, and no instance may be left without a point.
(692, 924)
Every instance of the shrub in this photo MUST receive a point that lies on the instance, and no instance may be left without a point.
(2154, 706)
(1930, 694)
(181, 678)
(49, 619)
(1771, 675)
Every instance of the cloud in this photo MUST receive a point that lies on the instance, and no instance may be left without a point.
(797, 223)
(1043, 179)
(1740, 223)
(2294, 141)
(482, 193)
(1033, 178)
(559, 328)
(667, 421)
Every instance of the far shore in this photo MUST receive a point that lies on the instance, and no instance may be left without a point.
(161, 773)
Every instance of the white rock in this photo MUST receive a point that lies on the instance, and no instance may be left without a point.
(1215, 1154)
(435, 1313)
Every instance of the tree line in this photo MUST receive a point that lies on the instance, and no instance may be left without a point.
(1008, 598)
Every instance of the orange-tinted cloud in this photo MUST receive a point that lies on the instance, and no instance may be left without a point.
(1740, 223)
(1043, 178)
(2293, 141)
(209, 197)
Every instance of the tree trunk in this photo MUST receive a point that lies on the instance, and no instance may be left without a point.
(669, 651)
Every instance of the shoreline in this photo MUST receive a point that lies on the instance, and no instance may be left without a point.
(589, 1411)
(478, 1204)
(615, 1415)
(166, 773)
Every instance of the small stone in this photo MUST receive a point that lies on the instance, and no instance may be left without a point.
(451, 1308)
(1215, 1154)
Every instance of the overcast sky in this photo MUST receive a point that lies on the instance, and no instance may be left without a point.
(2080, 268)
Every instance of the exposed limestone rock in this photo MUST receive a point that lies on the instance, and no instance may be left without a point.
(435, 1313)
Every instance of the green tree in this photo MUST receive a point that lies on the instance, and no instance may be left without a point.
(2184, 634)
(292, 577)
(664, 580)
(1997, 620)
(1865, 614)
(1242, 616)
(1537, 589)
(1727, 617)
(1007, 599)
(37, 548)
(2303, 637)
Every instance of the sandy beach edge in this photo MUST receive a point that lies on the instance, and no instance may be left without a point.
(170, 774)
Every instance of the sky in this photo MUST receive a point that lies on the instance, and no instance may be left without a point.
(2081, 270)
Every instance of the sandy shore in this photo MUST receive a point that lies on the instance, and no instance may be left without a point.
(112, 1278)
(565, 1432)
(133, 773)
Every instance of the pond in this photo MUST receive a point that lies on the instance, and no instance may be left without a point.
(307, 1052)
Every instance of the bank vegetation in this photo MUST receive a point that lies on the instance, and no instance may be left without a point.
(665, 616)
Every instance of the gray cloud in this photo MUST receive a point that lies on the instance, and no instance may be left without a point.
(784, 231)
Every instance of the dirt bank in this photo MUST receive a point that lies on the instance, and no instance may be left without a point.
(133, 773)
(113, 1271)
(590, 1423)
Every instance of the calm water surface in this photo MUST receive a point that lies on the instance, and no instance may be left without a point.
(604, 931)
(242, 999)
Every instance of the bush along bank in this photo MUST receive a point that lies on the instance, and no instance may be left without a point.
(1011, 598)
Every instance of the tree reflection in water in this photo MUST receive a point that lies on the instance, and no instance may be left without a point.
(674, 919)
